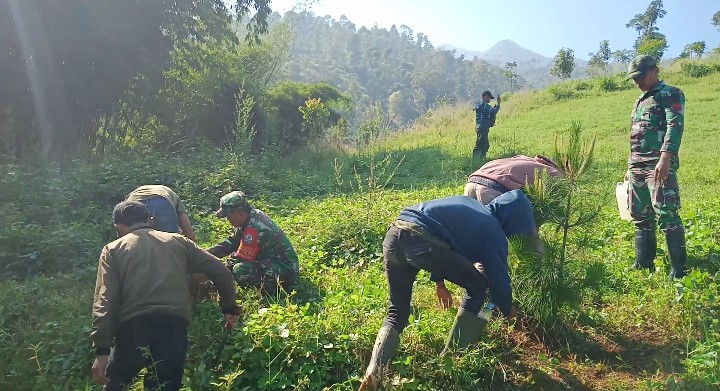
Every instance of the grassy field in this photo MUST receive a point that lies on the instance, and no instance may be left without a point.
(627, 331)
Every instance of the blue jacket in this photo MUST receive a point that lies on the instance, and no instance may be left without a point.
(485, 114)
(478, 232)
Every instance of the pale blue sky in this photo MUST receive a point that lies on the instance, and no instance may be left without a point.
(541, 26)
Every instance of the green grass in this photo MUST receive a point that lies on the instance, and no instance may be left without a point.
(631, 331)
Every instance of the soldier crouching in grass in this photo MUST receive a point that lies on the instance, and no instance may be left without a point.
(657, 122)
(448, 237)
(261, 255)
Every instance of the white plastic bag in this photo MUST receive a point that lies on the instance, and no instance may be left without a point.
(622, 191)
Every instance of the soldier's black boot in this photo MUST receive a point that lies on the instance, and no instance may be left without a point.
(645, 249)
(677, 252)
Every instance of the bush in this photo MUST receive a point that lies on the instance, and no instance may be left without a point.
(562, 91)
(699, 70)
(606, 84)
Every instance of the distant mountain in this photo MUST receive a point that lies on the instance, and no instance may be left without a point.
(504, 51)
(533, 67)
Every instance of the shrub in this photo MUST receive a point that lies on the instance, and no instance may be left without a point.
(562, 91)
(699, 70)
(606, 84)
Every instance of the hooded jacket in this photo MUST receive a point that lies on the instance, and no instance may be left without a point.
(478, 232)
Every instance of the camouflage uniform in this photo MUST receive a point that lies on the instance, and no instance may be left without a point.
(657, 121)
(484, 120)
(261, 255)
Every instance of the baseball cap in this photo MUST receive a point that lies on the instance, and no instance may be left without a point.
(232, 201)
(488, 94)
(639, 65)
(130, 212)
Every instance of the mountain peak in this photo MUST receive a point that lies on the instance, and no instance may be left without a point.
(507, 50)
(502, 52)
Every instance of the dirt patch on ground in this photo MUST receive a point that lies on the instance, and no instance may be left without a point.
(569, 358)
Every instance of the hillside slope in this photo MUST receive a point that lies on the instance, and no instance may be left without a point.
(630, 330)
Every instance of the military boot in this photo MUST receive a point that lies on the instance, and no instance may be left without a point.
(645, 249)
(386, 344)
(465, 330)
(677, 252)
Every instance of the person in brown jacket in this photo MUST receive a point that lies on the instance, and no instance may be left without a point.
(142, 304)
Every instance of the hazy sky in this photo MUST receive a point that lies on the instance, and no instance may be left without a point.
(541, 26)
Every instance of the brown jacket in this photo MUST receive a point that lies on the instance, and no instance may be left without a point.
(146, 272)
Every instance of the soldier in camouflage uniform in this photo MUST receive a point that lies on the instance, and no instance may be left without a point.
(260, 253)
(484, 120)
(657, 121)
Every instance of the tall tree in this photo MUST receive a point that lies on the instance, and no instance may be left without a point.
(511, 75)
(623, 56)
(716, 20)
(563, 64)
(68, 63)
(696, 49)
(599, 61)
(649, 40)
(653, 45)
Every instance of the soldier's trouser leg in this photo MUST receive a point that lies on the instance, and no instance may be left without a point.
(666, 203)
(677, 252)
(645, 249)
(268, 279)
(643, 215)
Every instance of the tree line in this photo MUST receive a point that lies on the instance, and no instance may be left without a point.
(650, 41)
(83, 78)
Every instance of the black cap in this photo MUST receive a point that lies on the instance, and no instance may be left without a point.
(488, 94)
(130, 212)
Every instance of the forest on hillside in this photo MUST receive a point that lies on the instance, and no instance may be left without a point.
(111, 77)
(396, 67)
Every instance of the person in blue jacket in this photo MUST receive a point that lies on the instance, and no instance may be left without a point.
(457, 239)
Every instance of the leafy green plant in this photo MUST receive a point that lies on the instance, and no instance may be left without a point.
(562, 91)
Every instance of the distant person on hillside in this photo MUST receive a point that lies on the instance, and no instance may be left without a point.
(656, 130)
(484, 120)
(456, 239)
(502, 175)
(142, 305)
(165, 207)
(261, 255)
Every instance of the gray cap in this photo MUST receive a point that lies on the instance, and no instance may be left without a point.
(130, 212)
(640, 65)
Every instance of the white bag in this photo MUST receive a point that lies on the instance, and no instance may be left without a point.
(622, 193)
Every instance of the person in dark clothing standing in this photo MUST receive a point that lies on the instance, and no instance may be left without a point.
(484, 120)
(456, 239)
(142, 304)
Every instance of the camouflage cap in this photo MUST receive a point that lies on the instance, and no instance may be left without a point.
(640, 65)
(130, 212)
(232, 201)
